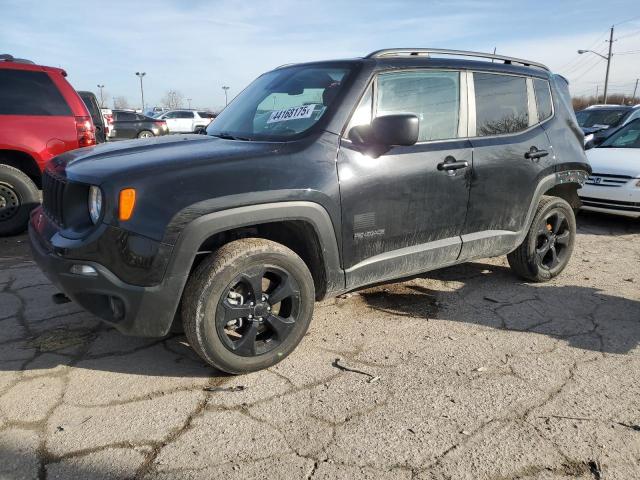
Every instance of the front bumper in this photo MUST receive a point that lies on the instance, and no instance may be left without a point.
(623, 200)
(132, 309)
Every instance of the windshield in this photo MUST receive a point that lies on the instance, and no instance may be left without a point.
(627, 137)
(281, 104)
(605, 118)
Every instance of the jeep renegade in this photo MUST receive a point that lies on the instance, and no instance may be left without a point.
(319, 178)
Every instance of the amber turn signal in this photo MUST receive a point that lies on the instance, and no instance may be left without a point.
(127, 203)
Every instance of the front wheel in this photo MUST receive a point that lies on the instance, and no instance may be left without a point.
(547, 248)
(248, 305)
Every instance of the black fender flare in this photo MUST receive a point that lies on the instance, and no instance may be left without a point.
(196, 232)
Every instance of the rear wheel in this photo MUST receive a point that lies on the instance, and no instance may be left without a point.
(18, 196)
(248, 305)
(548, 246)
(145, 134)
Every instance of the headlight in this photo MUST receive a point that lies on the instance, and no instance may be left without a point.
(95, 203)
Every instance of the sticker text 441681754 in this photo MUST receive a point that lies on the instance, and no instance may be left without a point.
(293, 113)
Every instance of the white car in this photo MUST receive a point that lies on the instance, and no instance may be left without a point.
(185, 121)
(614, 185)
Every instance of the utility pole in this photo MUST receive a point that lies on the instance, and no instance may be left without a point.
(140, 75)
(597, 93)
(226, 99)
(635, 89)
(101, 98)
(189, 100)
(606, 78)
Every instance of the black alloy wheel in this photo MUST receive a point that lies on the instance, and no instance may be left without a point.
(553, 240)
(548, 244)
(258, 310)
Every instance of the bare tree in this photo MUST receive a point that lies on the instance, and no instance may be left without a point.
(120, 102)
(172, 99)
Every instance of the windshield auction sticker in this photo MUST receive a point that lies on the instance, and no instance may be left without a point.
(293, 113)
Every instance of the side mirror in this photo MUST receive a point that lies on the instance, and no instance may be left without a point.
(589, 145)
(392, 130)
(388, 131)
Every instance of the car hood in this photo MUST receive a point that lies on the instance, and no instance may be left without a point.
(144, 156)
(615, 161)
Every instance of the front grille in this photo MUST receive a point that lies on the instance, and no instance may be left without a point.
(53, 188)
(607, 180)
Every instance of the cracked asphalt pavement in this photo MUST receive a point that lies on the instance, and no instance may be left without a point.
(463, 373)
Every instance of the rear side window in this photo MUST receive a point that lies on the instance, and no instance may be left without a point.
(501, 104)
(543, 98)
(125, 116)
(434, 96)
(30, 93)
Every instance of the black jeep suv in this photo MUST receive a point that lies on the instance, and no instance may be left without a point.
(317, 179)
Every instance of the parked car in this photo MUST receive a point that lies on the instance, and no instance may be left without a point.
(185, 121)
(600, 121)
(614, 186)
(319, 178)
(135, 125)
(107, 114)
(91, 102)
(41, 116)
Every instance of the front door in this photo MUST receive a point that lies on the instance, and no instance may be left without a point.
(511, 152)
(403, 212)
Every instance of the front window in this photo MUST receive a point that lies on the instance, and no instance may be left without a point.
(602, 118)
(432, 95)
(281, 104)
(626, 137)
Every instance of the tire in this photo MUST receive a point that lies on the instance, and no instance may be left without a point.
(226, 323)
(145, 134)
(548, 246)
(18, 196)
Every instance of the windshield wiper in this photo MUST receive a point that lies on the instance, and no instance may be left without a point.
(227, 136)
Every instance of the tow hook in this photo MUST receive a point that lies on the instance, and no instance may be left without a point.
(60, 298)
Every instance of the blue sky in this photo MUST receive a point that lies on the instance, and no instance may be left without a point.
(198, 46)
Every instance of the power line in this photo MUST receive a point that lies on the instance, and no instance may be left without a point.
(627, 21)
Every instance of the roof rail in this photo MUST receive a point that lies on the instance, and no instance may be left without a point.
(5, 57)
(427, 52)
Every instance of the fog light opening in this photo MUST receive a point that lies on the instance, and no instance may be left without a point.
(117, 307)
(86, 270)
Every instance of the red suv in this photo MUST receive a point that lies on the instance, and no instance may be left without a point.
(41, 116)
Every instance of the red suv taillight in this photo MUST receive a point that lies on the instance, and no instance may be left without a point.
(86, 132)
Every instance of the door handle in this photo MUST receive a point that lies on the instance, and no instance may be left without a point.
(534, 154)
(451, 163)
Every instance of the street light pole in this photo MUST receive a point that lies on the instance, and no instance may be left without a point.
(226, 99)
(189, 100)
(101, 98)
(608, 59)
(140, 75)
(635, 89)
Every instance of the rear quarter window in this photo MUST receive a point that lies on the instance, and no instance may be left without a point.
(30, 93)
(501, 104)
(543, 98)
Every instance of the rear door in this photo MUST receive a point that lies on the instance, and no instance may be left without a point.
(511, 152)
(402, 213)
(125, 124)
